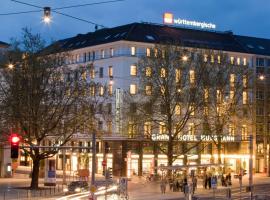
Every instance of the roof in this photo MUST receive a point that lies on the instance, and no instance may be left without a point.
(155, 33)
(3, 44)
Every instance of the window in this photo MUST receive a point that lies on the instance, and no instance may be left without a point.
(192, 76)
(100, 108)
(94, 55)
(101, 72)
(162, 128)
(219, 96)
(205, 58)
(133, 70)
(259, 111)
(148, 52)
(101, 90)
(232, 80)
(259, 95)
(147, 129)
(232, 95)
(268, 62)
(148, 72)
(131, 129)
(162, 89)
(133, 89)
(110, 89)
(177, 109)
(245, 82)
(244, 132)
(245, 97)
(219, 111)
(109, 127)
(148, 90)
(191, 110)
(92, 90)
(110, 71)
(232, 60)
(133, 51)
(102, 54)
(177, 75)
(133, 108)
(84, 75)
(205, 110)
(231, 130)
(212, 59)
(206, 95)
(89, 56)
(162, 72)
(111, 52)
(77, 58)
(219, 59)
(100, 125)
(191, 129)
(238, 61)
(244, 61)
(84, 57)
(260, 62)
(155, 53)
(109, 108)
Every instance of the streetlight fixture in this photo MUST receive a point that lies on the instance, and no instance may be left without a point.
(47, 15)
(184, 58)
(10, 65)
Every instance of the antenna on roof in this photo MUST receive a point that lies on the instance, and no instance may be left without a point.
(96, 27)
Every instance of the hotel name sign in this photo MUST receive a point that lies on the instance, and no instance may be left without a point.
(195, 138)
(168, 18)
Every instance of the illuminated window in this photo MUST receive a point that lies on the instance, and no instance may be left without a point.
(162, 128)
(110, 89)
(148, 52)
(132, 128)
(177, 75)
(205, 58)
(232, 80)
(192, 76)
(77, 58)
(219, 59)
(206, 95)
(148, 72)
(238, 61)
(101, 90)
(162, 72)
(156, 53)
(92, 73)
(147, 129)
(84, 75)
(219, 96)
(111, 52)
(109, 127)
(245, 97)
(133, 51)
(102, 53)
(212, 59)
(244, 61)
(148, 89)
(219, 111)
(232, 94)
(205, 110)
(92, 90)
(191, 110)
(232, 60)
(163, 53)
(110, 71)
(245, 82)
(177, 109)
(162, 90)
(133, 89)
(244, 132)
(231, 130)
(133, 70)
(191, 129)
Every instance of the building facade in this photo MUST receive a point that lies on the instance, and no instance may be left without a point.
(110, 56)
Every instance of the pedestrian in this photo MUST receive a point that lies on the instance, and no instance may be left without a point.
(177, 185)
(185, 185)
(194, 184)
(209, 182)
(163, 187)
(205, 181)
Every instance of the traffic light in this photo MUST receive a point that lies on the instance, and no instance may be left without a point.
(14, 146)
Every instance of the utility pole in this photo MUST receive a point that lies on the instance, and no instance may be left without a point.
(251, 166)
(93, 158)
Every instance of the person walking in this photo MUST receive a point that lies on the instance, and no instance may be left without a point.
(209, 182)
(194, 184)
(205, 179)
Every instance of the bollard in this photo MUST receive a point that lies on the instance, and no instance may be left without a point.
(4, 195)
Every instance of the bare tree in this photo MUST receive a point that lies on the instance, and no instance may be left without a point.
(170, 92)
(45, 101)
(226, 98)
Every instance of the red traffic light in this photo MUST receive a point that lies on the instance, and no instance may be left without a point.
(14, 139)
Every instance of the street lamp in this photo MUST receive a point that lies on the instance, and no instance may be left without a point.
(47, 15)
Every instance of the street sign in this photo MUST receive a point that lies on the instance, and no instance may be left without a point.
(104, 163)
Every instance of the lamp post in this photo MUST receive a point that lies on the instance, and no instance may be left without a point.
(251, 166)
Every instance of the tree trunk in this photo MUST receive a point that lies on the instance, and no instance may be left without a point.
(219, 150)
(35, 174)
(170, 157)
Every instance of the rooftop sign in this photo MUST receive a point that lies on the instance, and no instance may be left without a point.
(168, 18)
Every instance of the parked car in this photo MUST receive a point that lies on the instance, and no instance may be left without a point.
(76, 187)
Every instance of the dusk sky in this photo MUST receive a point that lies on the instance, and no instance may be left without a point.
(244, 17)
